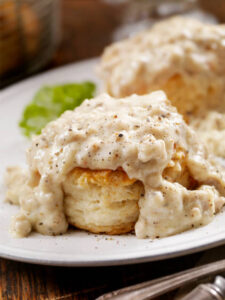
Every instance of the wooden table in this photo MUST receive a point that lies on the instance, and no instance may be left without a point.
(26, 281)
(87, 28)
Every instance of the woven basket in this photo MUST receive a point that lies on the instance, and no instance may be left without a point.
(29, 33)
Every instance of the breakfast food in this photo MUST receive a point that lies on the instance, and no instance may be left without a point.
(102, 201)
(181, 56)
(114, 165)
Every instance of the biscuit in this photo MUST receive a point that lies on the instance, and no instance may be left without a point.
(103, 201)
(114, 165)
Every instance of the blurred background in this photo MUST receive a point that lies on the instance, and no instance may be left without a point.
(37, 35)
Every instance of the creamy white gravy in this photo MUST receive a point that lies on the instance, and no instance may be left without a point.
(142, 134)
(211, 130)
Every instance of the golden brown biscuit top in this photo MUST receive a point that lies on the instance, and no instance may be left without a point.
(101, 177)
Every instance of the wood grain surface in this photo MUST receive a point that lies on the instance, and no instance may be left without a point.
(25, 281)
(87, 27)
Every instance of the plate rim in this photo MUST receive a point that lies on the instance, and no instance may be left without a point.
(112, 262)
(4, 91)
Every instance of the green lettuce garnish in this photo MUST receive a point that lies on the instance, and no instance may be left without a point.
(50, 102)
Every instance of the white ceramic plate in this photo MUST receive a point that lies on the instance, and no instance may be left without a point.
(78, 248)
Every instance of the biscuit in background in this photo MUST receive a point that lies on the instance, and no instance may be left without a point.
(183, 57)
